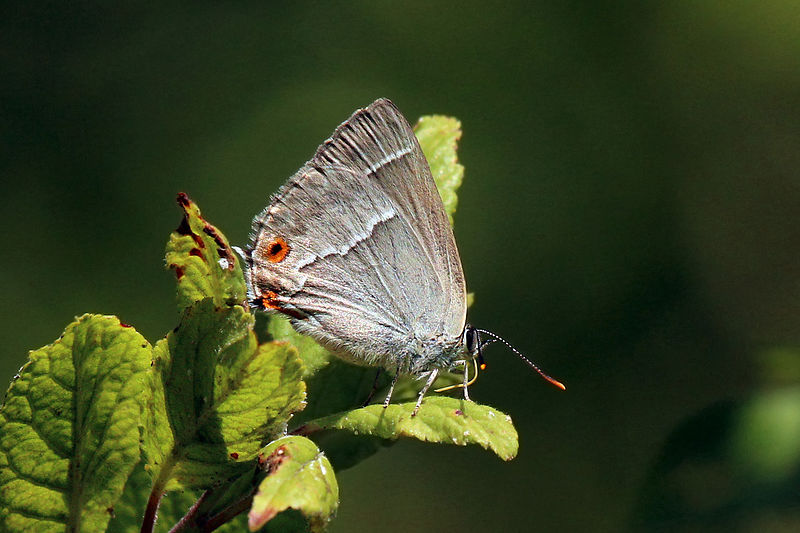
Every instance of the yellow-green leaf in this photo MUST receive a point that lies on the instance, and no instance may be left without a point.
(217, 396)
(314, 356)
(440, 419)
(69, 428)
(299, 477)
(438, 136)
(203, 261)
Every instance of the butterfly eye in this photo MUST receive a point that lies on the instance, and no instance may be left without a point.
(471, 340)
(277, 250)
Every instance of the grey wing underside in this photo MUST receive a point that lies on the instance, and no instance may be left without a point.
(373, 267)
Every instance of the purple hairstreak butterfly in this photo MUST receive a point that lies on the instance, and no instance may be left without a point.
(356, 249)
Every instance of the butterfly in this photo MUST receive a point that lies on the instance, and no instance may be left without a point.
(356, 249)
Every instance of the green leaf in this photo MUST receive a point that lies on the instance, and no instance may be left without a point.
(236, 494)
(340, 387)
(69, 428)
(314, 356)
(299, 477)
(127, 515)
(438, 136)
(217, 397)
(203, 261)
(440, 419)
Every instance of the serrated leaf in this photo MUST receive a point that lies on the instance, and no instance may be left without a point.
(69, 428)
(440, 419)
(217, 396)
(299, 477)
(438, 136)
(203, 261)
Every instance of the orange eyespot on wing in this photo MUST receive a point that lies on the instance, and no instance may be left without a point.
(277, 250)
(271, 300)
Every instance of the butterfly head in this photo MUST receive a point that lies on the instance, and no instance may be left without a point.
(473, 346)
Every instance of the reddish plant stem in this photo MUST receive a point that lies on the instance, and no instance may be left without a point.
(229, 513)
(156, 493)
(190, 516)
(151, 510)
(305, 430)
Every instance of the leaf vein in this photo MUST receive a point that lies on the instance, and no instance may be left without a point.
(23, 476)
(52, 446)
(35, 516)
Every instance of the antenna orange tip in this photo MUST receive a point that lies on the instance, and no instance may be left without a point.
(557, 383)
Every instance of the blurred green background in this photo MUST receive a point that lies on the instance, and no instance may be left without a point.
(629, 220)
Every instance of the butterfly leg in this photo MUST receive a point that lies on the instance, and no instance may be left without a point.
(391, 390)
(466, 380)
(427, 386)
(374, 388)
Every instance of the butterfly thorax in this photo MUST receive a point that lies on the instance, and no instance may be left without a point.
(424, 355)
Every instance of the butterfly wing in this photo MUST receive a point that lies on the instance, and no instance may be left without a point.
(357, 249)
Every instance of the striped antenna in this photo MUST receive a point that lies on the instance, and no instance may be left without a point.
(530, 363)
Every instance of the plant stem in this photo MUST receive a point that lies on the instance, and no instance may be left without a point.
(305, 430)
(191, 514)
(197, 519)
(150, 511)
(229, 513)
